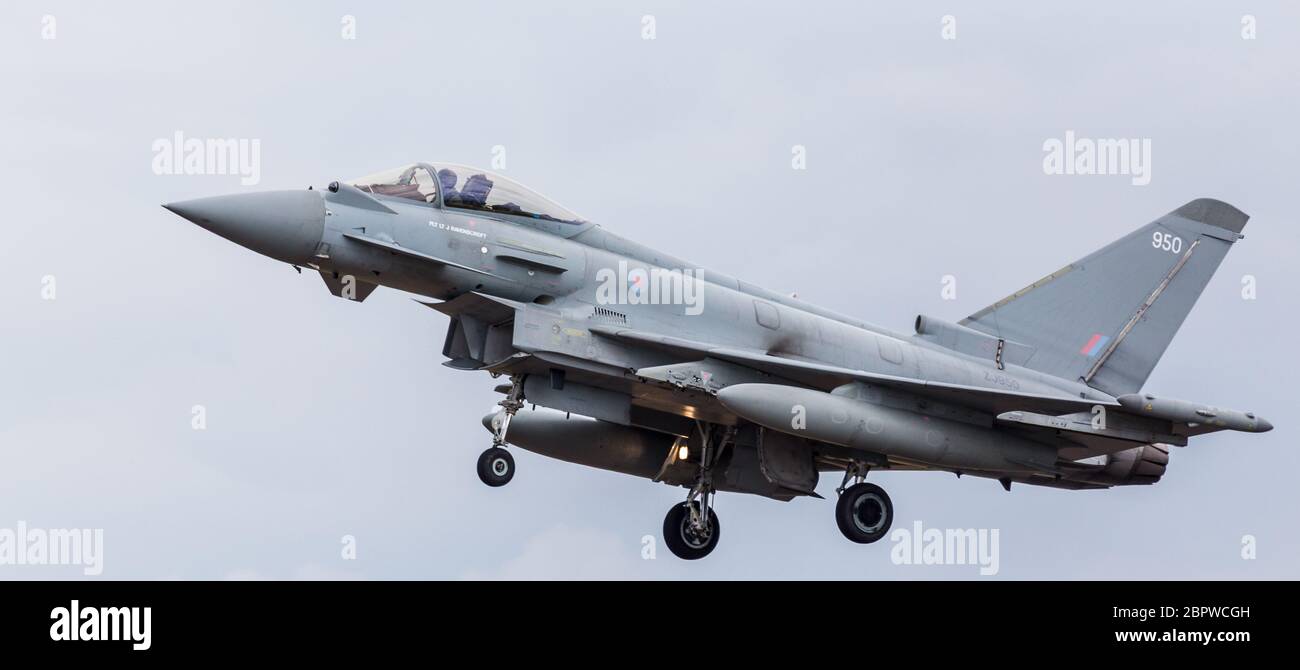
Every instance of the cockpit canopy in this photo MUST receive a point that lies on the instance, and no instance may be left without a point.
(464, 187)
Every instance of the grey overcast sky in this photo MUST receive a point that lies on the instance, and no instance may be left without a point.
(327, 419)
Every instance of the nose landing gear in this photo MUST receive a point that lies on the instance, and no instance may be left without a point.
(496, 467)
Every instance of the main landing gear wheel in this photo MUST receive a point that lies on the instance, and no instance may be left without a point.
(496, 467)
(684, 539)
(691, 529)
(864, 513)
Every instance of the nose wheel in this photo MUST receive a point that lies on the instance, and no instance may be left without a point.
(496, 467)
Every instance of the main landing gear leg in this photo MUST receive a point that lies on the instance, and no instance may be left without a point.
(691, 529)
(863, 512)
(496, 467)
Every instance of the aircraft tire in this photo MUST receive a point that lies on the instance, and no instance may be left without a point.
(864, 513)
(496, 467)
(682, 541)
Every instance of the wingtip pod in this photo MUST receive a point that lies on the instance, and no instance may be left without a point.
(1214, 213)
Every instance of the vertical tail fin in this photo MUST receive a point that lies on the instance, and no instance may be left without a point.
(1107, 318)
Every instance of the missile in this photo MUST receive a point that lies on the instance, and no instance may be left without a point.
(901, 433)
(1182, 411)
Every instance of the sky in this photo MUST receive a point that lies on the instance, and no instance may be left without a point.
(336, 445)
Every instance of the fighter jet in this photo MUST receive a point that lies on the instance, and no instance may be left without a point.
(653, 367)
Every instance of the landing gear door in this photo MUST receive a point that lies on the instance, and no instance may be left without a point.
(787, 461)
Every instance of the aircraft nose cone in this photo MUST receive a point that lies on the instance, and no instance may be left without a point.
(285, 225)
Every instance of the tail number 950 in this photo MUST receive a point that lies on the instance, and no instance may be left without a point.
(1166, 242)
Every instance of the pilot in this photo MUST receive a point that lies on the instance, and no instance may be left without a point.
(476, 190)
(448, 180)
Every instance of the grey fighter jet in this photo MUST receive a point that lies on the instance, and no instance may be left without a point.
(654, 368)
